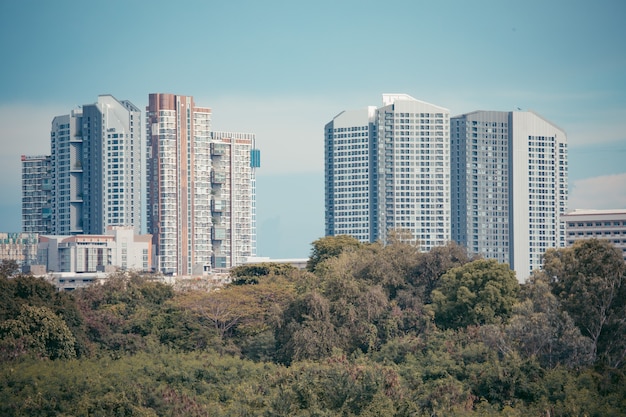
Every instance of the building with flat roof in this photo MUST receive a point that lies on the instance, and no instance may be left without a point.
(119, 248)
(388, 169)
(19, 247)
(201, 188)
(350, 167)
(234, 160)
(509, 186)
(596, 224)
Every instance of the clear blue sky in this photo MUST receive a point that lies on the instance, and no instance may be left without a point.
(282, 69)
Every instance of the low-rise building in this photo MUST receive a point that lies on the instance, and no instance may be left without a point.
(598, 224)
(119, 248)
(299, 263)
(69, 281)
(19, 247)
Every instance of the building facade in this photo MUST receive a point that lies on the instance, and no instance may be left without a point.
(388, 169)
(19, 247)
(36, 194)
(119, 248)
(596, 224)
(508, 186)
(350, 166)
(200, 188)
(96, 168)
(233, 191)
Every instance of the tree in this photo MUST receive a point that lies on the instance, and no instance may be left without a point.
(589, 281)
(122, 313)
(359, 303)
(433, 264)
(480, 292)
(250, 274)
(37, 331)
(329, 247)
(391, 265)
(223, 309)
(539, 328)
(9, 268)
(307, 331)
(27, 289)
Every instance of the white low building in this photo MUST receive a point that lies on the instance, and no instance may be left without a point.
(119, 248)
(299, 263)
(599, 224)
(69, 281)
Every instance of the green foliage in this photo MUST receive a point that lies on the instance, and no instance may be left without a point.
(128, 313)
(589, 279)
(480, 292)
(307, 331)
(160, 383)
(249, 274)
(433, 264)
(9, 268)
(357, 336)
(36, 292)
(329, 247)
(36, 331)
(539, 328)
(368, 300)
(337, 386)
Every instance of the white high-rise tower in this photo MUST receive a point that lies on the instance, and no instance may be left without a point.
(388, 169)
(509, 186)
(96, 168)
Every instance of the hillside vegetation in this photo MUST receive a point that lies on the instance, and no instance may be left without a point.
(366, 330)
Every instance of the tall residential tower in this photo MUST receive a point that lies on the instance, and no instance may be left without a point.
(36, 194)
(388, 169)
(233, 190)
(350, 160)
(509, 186)
(96, 168)
(200, 188)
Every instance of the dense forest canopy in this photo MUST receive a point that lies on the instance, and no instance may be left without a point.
(365, 330)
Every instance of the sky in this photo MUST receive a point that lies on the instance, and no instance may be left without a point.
(283, 69)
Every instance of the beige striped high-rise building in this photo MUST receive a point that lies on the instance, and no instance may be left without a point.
(200, 188)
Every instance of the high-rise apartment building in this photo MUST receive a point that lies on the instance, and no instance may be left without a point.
(233, 189)
(509, 186)
(200, 188)
(388, 169)
(350, 184)
(96, 168)
(36, 194)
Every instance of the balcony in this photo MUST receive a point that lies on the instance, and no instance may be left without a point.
(218, 233)
(217, 206)
(77, 167)
(218, 177)
(218, 149)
